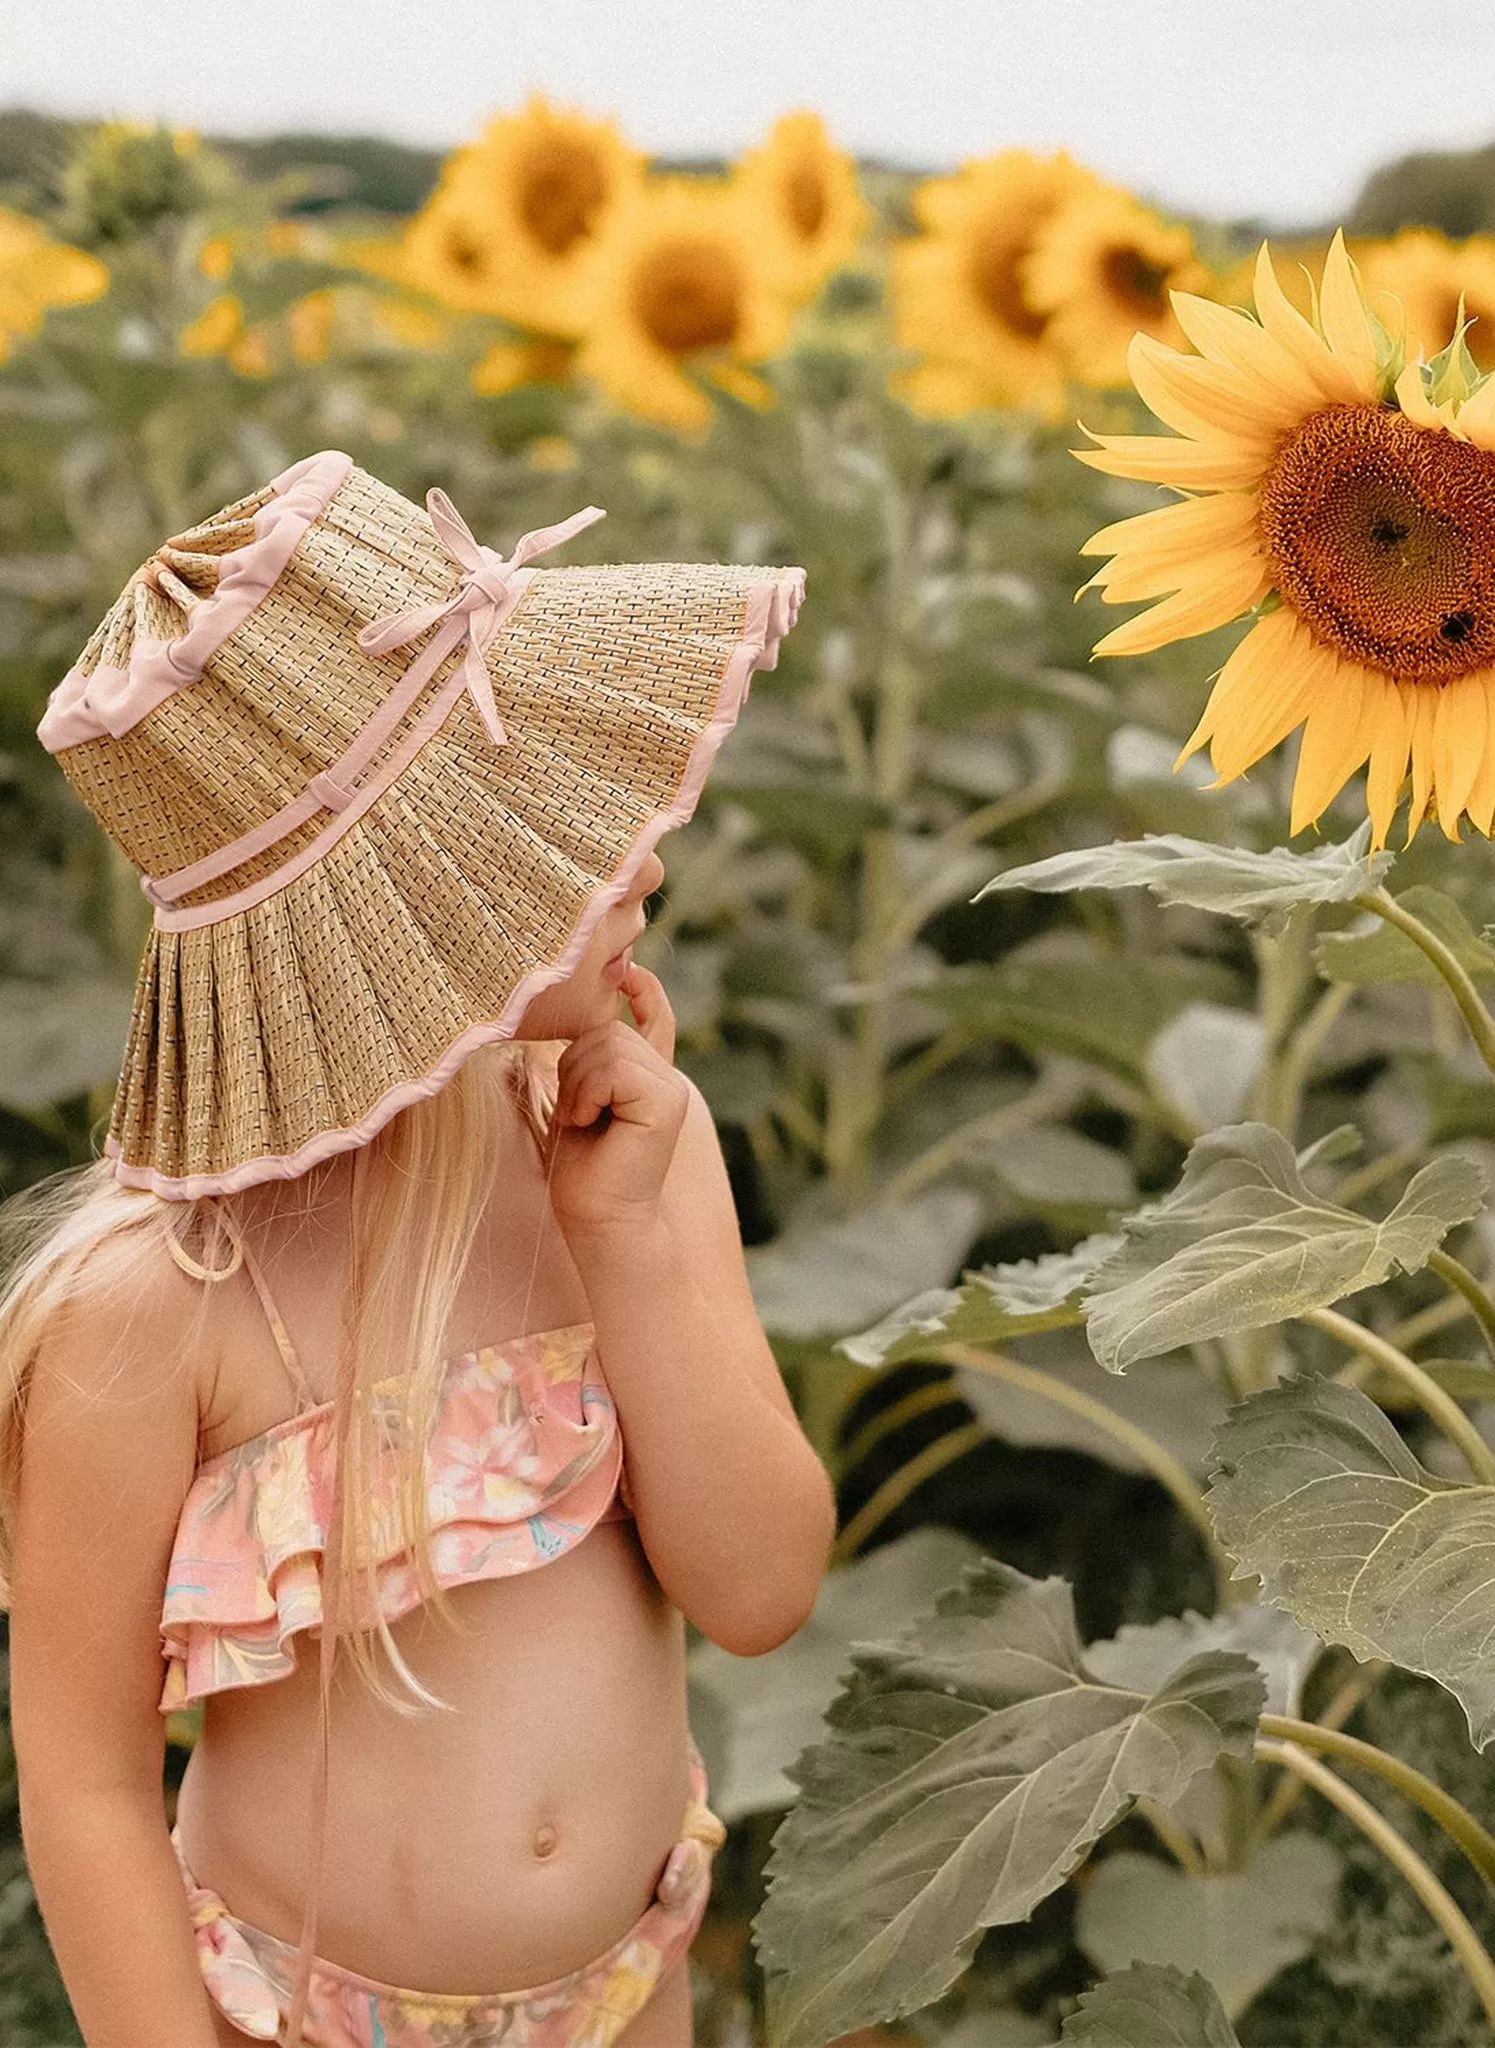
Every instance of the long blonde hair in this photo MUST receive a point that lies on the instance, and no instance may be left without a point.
(420, 1187)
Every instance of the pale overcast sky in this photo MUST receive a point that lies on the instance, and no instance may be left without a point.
(1275, 108)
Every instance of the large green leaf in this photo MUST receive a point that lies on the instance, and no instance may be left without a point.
(970, 1765)
(1239, 1926)
(1063, 994)
(1386, 954)
(1150, 2007)
(1145, 1655)
(992, 1306)
(1258, 887)
(1317, 1494)
(827, 1270)
(754, 1715)
(1243, 1242)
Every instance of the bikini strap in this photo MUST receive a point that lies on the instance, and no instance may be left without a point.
(273, 1316)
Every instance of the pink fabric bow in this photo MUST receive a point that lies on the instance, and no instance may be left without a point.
(480, 599)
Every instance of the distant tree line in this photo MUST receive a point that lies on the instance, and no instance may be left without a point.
(1449, 189)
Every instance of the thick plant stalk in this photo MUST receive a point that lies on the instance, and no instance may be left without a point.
(896, 1489)
(1453, 1273)
(1164, 1467)
(1456, 1821)
(1430, 1397)
(1460, 983)
(1376, 1828)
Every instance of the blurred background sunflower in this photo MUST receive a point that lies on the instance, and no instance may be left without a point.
(959, 289)
(1103, 269)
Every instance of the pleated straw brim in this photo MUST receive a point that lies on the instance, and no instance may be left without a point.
(272, 1037)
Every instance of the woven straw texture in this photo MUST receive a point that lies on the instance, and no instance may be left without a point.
(283, 1031)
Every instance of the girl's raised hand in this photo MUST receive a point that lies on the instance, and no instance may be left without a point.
(619, 1110)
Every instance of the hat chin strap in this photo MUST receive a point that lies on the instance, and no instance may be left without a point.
(484, 598)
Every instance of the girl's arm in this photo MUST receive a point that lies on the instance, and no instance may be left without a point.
(110, 1448)
(734, 1509)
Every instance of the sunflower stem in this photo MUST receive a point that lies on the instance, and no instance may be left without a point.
(1167, 1470)
(1429, 1396)
(1460, 984)
(1455, 1820)
(1461, 1937)
(1453, 1273)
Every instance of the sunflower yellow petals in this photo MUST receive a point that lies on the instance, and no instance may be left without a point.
(1411, 396)
(1208, 602)
(1275, 669)
(1258, 700)
(1335, 742)
(1390, 717)
(1481, 801)
(1200, 398)
(1239, 343)
(1201, 523)
(1424, 709)
(1334, 380)
(1186, 465)
(1461, 734)
(1477, 417)
(1345, 318)
(1131, 579)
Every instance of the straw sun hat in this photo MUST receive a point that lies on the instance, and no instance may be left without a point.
(382, 784)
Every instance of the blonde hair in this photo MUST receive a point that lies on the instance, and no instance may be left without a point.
(420, 1186)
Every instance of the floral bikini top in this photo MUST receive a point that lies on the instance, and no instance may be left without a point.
(524, 1459)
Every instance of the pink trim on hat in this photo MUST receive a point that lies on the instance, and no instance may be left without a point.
(772, 608)
(331, 790)
(109, 700)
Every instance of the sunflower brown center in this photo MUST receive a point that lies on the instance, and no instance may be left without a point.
(997, 251)
(463, 253)
(561, 190)
(687, 295)
(805, 199)
(1381, 536)
(1139, 287)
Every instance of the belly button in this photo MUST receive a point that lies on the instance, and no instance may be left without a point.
(547, 1840)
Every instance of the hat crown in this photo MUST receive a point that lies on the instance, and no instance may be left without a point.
(227, 674)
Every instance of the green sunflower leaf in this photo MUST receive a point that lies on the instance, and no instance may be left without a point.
(1256, 887)
(991, 1306)
(1385, 954)
(1243, 1242)
(1317, 1494)
(1148, 2006)
(969, 1767)
(1241, 1927)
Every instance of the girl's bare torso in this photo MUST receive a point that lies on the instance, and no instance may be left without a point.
(500, 1845)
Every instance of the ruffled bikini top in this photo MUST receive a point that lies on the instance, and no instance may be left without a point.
(524, 1459)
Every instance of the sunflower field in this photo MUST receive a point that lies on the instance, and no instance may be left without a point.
(1094, 1006)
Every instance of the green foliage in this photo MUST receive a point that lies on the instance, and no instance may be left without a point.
(1148, 2006)
(1257, 887)
(1240, 1927)
(969, 1767)
(1117, 1089)
(1319, 1496)
(1243, 1243)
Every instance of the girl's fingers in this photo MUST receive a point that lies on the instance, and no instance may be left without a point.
(651, 1009)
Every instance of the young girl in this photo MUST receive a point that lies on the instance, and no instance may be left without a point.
(403, 1237)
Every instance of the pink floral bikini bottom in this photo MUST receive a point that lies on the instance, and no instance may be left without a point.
(249, 1973)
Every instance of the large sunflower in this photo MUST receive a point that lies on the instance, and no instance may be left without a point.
(1425, 276)
(1102, 271)
(681, 286)
(810, 199)
(959, 297)
(1354, 502)
(518, 216)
